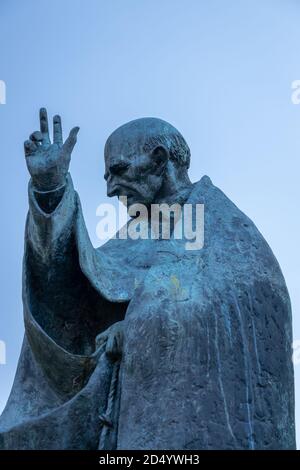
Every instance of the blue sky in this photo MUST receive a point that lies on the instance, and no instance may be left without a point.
(221, 72)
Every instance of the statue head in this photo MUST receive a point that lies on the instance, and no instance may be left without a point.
(146, 160)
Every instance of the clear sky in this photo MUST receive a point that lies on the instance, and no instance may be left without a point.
(221, 72)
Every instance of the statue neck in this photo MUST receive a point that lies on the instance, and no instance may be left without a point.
(176, 187)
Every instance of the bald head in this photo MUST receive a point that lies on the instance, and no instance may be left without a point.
(144, 135)
(144, 160)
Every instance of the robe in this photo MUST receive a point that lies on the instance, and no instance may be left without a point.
(207, 358)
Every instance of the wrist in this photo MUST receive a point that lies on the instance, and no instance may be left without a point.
(48, 184)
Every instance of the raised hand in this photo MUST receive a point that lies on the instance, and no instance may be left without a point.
(48, 164)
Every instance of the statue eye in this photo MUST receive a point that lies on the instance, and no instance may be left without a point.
(122, 170)
(119, 169)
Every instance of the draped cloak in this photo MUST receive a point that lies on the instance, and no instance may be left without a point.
(207, 360)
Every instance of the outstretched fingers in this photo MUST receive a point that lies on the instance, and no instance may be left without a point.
(41, 138)
(44, 126)
(57, 130)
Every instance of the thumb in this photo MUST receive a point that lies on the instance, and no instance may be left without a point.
(71, 140)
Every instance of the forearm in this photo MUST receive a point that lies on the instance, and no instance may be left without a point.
(51, 220)
(53, 282)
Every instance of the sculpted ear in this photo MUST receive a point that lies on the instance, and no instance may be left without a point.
(160, 156)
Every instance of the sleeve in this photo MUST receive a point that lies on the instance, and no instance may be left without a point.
(50, 221)
(61, 272)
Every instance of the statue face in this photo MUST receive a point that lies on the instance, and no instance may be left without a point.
(137, 160)
(134, 173)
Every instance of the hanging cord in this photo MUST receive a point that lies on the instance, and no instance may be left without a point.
(107, 417)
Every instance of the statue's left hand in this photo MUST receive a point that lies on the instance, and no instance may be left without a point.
(113, 340)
